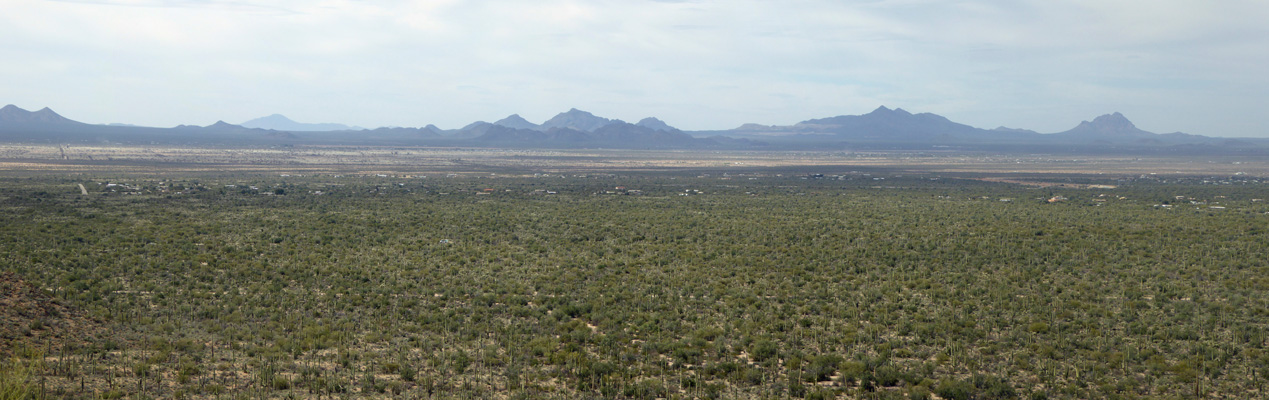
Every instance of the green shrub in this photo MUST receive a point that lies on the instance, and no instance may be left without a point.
(15, 381)
(763, 350)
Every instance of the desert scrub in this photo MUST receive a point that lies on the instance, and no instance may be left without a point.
(15, 380)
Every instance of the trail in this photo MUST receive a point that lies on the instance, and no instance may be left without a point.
(82, 190)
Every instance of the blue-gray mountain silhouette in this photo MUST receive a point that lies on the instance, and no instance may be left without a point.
(13, 116)
(577, 120)
(655, 124)
(279, 122)
(514, 121)
(883, 128)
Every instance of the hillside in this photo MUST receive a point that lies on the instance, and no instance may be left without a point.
(32, 320)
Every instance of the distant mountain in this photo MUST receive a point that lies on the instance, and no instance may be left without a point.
(577, 120)
(474, 129)
(13, 116)
(1114, 128)
(886, 128)
(891, 125)
(45, 125)
(580, 129)
(217, 126)
(622, 132)
(882, 124)
(279, 122)
(614, 134)
(655, 124)
(430, 131)
(434, 129)
(222, 125)
(759, 128)
(883, 129)
(1013, 130)
(19, 125)
(222, 130)
(498, 134)
(514, 121)
(1107, 125)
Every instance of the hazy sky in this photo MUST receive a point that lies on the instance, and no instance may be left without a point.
(1169, 65)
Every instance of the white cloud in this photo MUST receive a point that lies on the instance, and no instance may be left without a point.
(698, 64)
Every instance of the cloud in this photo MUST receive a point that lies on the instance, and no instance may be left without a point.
(700, 64)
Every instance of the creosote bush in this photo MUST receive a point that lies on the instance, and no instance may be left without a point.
(774, 287)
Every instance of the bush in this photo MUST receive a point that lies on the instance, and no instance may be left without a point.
(955, 390)
(822, 367)
(980, 387)
(646, 389)
(407, 374)
(15, 381)
(853, 371)
(1038, 327)
(992, 388)
(919, 393)
(763, 350)
(889, 376)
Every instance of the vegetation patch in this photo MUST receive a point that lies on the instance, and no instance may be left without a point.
(33, 321)
(865, 285)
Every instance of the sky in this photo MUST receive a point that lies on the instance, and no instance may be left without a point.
(1168, 65)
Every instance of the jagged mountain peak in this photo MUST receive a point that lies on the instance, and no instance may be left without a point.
(882, 110)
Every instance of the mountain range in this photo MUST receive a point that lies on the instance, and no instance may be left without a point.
(883, 128)
(279, 122)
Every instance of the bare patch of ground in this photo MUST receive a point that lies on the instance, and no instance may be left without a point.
(1043, 184)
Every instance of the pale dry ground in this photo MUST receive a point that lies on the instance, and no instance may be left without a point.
(423, 160)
